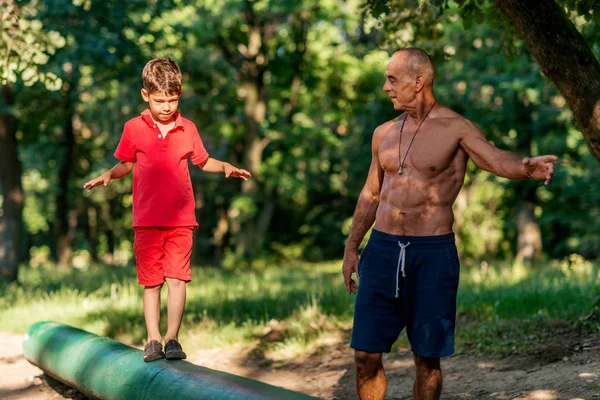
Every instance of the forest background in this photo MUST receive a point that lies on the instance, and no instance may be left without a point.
(292, 91)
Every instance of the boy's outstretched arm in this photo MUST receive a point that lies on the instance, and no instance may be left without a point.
(212, 165)
(118, 171)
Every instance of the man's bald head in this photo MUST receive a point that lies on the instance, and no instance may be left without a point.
(417, 62)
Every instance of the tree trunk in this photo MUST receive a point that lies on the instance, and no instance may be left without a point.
(564, 57)
(530, 235)
(301, 40)
(220, 231)
(92, 228)
(199, 187)
(108, 228)
(62, 227)
(251, 60)
(254, 109)
(11, 222)
(529, 239)
(266, 216)
(253, 91)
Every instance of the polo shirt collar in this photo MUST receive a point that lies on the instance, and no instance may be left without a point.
(147, 117)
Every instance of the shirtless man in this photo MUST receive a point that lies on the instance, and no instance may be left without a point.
(409, 269)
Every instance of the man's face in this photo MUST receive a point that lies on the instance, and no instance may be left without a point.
(399, 84)
(163, 106)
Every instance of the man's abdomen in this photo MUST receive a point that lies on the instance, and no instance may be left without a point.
(419, 220)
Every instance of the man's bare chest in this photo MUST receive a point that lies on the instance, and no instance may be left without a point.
(428, 153)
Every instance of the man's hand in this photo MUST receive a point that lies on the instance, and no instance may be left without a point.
(541, 167)
(230, 170)
(350, 266)
(103, 179)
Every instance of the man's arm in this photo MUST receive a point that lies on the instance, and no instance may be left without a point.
(213, 165)
(117, 172)
(364, 216)
(504, 163)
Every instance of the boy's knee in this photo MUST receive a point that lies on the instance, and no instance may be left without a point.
(153, 287)
(367, 363)
(174, 282)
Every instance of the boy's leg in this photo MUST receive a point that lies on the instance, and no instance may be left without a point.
(149, 257)
(178, 251)
(153, 350)
(152, 311)
(175, 307)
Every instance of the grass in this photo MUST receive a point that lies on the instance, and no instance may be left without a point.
(287, 310)
(306, 302)
(509, 308)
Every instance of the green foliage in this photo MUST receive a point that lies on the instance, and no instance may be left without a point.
(406, 14)
(323, 66)
(402, 16)
(25, 45)
(587, 8)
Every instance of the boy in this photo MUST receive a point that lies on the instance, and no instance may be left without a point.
(159, 142)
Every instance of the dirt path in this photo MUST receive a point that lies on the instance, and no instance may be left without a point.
(21, 380)
(566, 369)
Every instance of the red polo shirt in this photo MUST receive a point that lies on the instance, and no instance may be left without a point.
(162, 188)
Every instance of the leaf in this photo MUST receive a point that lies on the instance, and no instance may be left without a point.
(378, 7)
(468, 16)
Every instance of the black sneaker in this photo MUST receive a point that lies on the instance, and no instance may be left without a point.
(173, 350)
(153, 351)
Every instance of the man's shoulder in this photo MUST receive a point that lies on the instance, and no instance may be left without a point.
(450, 115)
(383, 128)
(453, 120)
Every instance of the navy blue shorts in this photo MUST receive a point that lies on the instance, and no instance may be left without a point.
(407, 281)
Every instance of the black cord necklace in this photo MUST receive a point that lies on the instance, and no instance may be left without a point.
(400, 159)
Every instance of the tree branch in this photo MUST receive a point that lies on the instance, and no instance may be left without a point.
(564, 57)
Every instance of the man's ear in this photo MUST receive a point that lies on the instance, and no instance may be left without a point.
(419, 83)
(145, 95)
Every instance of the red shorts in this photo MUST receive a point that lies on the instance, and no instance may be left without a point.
(162, 252)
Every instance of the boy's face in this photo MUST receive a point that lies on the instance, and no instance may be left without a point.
(163, 106)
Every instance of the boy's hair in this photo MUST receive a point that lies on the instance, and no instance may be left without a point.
(162, 75)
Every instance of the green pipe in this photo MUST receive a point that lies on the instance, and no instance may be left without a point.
(102, 368)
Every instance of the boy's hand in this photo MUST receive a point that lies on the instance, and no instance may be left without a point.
(103, 179)
(230, 170)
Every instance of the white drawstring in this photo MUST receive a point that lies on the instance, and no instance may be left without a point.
(401, 259)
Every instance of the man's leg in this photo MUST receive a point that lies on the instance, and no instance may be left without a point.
(428, 382)
(152, 311)
(371, 382)
(175, 307)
